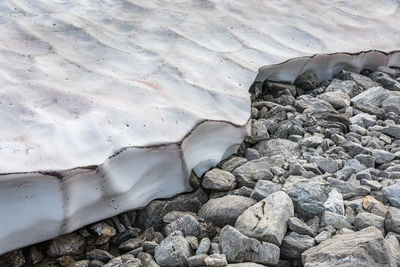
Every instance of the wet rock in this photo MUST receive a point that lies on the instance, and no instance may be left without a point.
(69, 244)
(219, 180)
(225, 210)
(190, 225)
(240, 248)
(173, 251)
(363, 248)
(294, 244)
(267, 220)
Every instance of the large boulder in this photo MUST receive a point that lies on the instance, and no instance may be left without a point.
(267, 220)
(363, 248)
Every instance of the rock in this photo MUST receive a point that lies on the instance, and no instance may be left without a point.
(334, 203)
(382, 156)
(216, 260)
(147, 260)
(388, 82)
(232, 163)
(349, 189)
(225, 210)
(82, 263)
(197, 260)
(282, 148)
(130, 244)
(294, 244)
(251, 154)
(173, 251)
(364, 120)
(363, 248)
(307, 81)
(347, 87)
(392, 130)
(308, 200)
(174, 215)
(394, 246)
(392, 220)
(367, 160)
(338, 221)
(35, 256)
(154, 212)
(267, 220)
(69, 244)
(389, 71)
(325, 234)
(103, 229)
(245, 264)
(249, 173)
(190, 225)
(240, 248)
(193, 242)
(392, 104)
(125, 260)
(326, 164)
(259, 132)
(392, 193)
(362, 81)
(98, 254)
(204, 246)
(364, 175)
(312, 141)
(264, 188)
(242, 191)
(374, 185)
(149, 245)
(219, 180)
(300, 227)
(373, 96)
(338, 100)
(365, 219)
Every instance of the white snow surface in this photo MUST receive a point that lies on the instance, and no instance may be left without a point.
(106, 105)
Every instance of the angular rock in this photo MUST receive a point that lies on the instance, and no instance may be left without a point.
(393, 131)
(249, 173)
(349, 189)
(147, 260)
(173, 251)
(382, 156)
(373, 96)
(240, 248)
(174, 215)
(363, 248)
(365, 219)
(338, 100)
(69, 244)
(225, 210)
(300, 227)
(392, 193)
(190, 225)
(392, 104)
(336, 220)
(259, 132)
(294, 244)
(334, 203)
(204, 246)
(125, 260)
(392, 220)
(307, 81)
(219, 180)
(216, 260)
(264, 188)
(98, 254)
(278, 147)
(197, 260)
(232, 163)
(267, 220)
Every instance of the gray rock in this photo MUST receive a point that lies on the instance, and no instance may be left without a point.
(190, 225)
(334, 203)
(392, 104)
(219, 180)
(242, 191)
(308, 200)
(214, 248)
(338, 100)
(197, 260)
(98, 254)
(363, 248)
(374, 185)
(294, 244)
(392, 193)
(267, 220)
(225, 210)
(125, 260)
(307, 81)
(249, 173)
(326, 164)
(382, 156)
(147, 260)
(392, 220)
(204, 246)
(173, 251)
(35, 256)
(393, 131)
(240, 248)
(364, 175)
(174, 215)
(259, 132)
(365, 219)
(336, 220)
(251, 154)
(312, 141)
(364, 120)
(278, 147)
(130, 244)
(232, 163)
(373, 96)
(69, 244)
(216, 260)
(245, 264)
(153, 213)
(348, 87)
(325, 234)
(394, 73)
(103, 229)
(385, 79)
(362, 81)
(193, 241)
(394, 246)
(349, 189)
(264, 188)
(84, 263)
(300, 227)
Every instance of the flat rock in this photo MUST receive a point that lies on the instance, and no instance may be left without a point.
(373, 96)
(363, 248)
(225, 210)
(240, 248)
(267, 220)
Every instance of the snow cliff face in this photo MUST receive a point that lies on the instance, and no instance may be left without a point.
(106, 105)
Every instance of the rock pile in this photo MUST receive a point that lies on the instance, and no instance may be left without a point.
(316, 184)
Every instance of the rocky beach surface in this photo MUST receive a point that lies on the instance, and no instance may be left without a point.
(316, 184)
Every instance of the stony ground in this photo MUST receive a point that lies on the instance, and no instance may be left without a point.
(317, 184)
